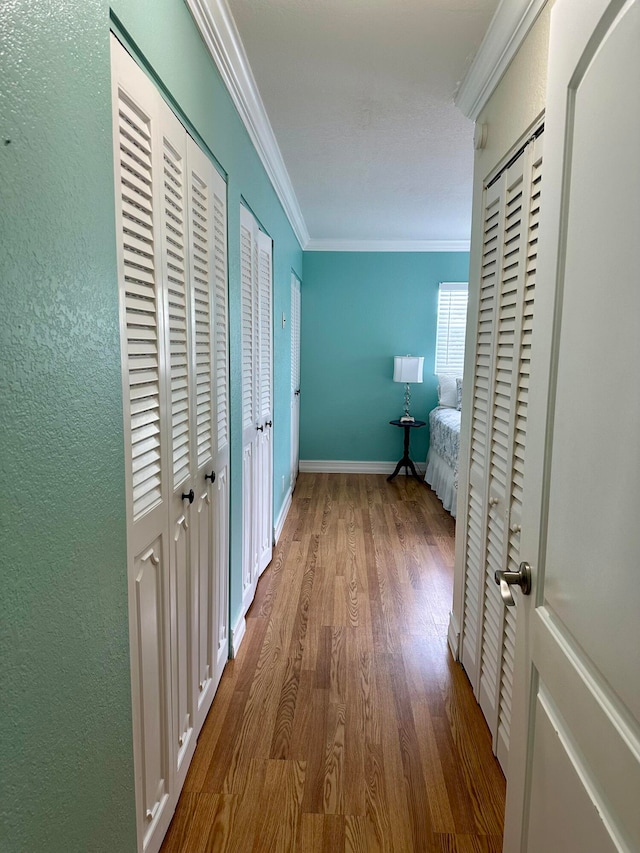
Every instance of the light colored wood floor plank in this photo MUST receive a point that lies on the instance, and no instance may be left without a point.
(344, 724)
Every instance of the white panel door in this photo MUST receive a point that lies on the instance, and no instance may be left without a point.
(138, 181)
(498, 438)
(295, 378)
(209, 396)
(265, 402)
(249, 287)
(574, 769)
(179, 343)
(171, 220)
(219, 637)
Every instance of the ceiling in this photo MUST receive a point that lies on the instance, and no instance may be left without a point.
(360, 97)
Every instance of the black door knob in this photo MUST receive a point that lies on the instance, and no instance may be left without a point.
(261, 428)
(211, 476)
(188, 496)
(269, 424)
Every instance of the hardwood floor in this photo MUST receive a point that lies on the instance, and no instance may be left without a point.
(344, 724)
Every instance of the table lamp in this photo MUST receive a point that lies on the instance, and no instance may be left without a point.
(407, 369)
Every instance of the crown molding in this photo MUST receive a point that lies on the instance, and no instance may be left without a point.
(387, 246)
(220, 34)
(508, 29)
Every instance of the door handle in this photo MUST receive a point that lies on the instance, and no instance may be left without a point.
(269, 424)
(211, 476)
(189, 496)
(297, 392)
(261, 428)
(521, 578)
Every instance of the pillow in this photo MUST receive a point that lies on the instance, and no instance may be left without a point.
(458, 394)
(447, 394)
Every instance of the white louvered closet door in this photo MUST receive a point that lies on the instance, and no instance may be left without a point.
(249, 300)
(498, 436)
(138, 180)
(219, 637)
(180, 378)
(265, 402)
(295, 378)
(256, 258)
(171, 209)
(208, 404)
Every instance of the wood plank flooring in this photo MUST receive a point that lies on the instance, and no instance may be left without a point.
(344, 724)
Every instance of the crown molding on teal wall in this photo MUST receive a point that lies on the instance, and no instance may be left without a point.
(508, 29)
(218, 29)
(387, 246)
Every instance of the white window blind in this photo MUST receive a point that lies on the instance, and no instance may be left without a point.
(452, 323)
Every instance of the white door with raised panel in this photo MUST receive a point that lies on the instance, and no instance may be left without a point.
(171, 221)
(265, 402)
(499, 429)
(138, 180)
(574, 769)
(256, 274)
(250, 486)
(295, 379)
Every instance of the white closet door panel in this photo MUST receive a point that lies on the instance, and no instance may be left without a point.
(265, 312)
(220, 603)
(265, 401)
(249, 523)
(138, 182)
(506, 341)
(220, 610)
(174, 234)
(520, 397)
(472, 629)
(152, 646)
(248, 283)
(221, 313)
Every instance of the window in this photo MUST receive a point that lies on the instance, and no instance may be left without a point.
(452, 324)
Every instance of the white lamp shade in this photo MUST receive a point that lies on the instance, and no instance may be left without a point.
(407, 368)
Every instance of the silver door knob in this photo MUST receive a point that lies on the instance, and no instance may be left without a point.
(493, 501)
(506, 580)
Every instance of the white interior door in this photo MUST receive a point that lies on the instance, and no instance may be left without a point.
(249, 285)
(138, 179)
(574, 771)
(295, 378)
(171, 226)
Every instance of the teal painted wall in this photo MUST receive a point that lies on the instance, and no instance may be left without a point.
(65, 707)
(178, 57)
(65, 716)
(358, 311)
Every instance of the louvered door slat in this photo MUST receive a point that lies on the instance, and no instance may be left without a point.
(201, 230)
(221, 317)
(247, 273)
(264, 308)
(175, 269)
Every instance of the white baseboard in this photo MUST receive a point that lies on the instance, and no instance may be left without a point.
(286, 506)
(344, 466)
(453, 635)
(237, 635)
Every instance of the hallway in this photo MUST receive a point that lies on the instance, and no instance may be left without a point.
(343, 723)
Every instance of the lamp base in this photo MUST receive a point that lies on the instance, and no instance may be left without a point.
(407, 419)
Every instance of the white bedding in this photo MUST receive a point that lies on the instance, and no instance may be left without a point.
(442, 458)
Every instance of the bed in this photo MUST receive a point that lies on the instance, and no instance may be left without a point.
(444, 444)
